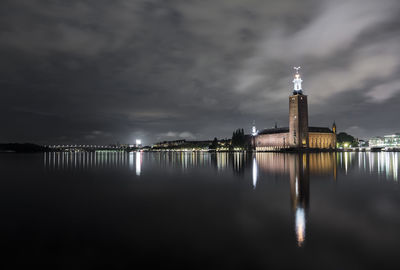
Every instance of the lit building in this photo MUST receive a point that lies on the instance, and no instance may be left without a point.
(390, 141)
(299, 135)
(138, 143)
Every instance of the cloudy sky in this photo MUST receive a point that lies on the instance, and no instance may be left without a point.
(97, 71)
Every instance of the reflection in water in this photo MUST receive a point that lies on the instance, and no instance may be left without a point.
(300, 192)
(298, 169)
(88, 160)
(301, 166)
(222, 161)
(385, 164)
(395, 164)
(131, 161)
(138, 163)
(255, 172)
(300, 226)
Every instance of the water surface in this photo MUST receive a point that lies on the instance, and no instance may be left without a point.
(201, 210)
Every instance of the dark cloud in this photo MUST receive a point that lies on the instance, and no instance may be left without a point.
(102, 72)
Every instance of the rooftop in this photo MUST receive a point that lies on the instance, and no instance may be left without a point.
(320, 129)
(274, 130)
(286, 129)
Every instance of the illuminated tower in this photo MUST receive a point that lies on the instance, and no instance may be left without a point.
(254, 130)
(297, 89)
(298, 115)
(334, 127)
(254, 133)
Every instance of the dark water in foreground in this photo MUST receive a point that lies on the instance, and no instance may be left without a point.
(201, 210)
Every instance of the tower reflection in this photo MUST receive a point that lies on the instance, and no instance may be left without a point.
(298, 168)
(300, 192)
(255, 172)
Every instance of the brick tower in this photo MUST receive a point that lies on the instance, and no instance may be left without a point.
(298, 115)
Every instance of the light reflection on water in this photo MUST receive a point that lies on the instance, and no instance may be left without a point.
(384, 164)
(138, 158)
(297, 168)
(255, 172)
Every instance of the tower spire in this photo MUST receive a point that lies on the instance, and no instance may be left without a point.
(297, 89)
(334, 126)
(254, 130)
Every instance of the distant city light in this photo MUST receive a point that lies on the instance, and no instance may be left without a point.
(138, 142)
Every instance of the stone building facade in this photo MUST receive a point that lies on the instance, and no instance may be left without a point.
(299, 135)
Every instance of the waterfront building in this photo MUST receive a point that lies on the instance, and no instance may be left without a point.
(299, 135)
(390, 141)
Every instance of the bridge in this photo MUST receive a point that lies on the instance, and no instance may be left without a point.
(92, 148)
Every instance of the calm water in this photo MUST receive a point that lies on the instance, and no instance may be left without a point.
(201, 210)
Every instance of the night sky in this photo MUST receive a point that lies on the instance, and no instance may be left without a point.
(96, 71)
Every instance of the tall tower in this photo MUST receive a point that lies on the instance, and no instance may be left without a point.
(334, 127)
(298, 115)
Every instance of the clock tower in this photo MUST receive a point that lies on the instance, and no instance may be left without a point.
(298, 115)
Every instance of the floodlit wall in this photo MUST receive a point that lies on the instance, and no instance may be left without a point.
(319, 140)
(271, 142)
